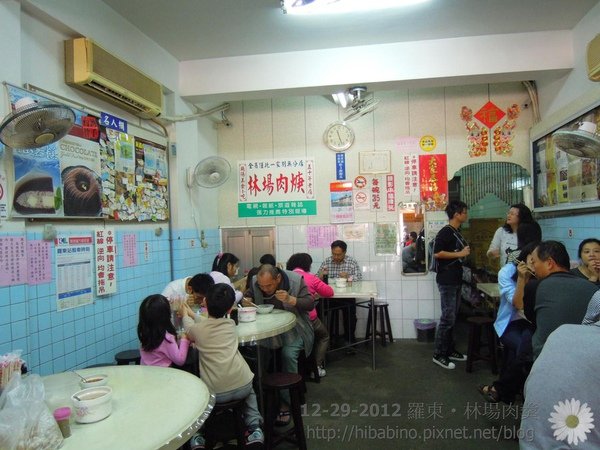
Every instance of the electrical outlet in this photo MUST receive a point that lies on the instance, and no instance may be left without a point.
(570, 232)
(49, 232)
(192, 243)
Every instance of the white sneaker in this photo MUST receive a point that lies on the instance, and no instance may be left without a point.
(322, 371)
(444, 362)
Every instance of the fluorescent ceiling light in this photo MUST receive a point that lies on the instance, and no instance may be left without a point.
(341, 6)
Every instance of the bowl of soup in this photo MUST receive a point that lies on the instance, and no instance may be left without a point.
(265, 309)
(247, 314)
(92, 404)
(94, 381)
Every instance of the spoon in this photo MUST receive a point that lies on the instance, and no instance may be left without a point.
(84, 379)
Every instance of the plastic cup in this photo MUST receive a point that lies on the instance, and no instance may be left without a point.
(62, 416)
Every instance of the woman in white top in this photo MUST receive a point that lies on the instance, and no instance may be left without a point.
(505, 238)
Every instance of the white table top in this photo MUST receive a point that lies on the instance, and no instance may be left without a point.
(490, 289)
(153, 408)
(358, 289)
(269, 325)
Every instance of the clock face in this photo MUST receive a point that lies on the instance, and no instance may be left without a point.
(338, 136)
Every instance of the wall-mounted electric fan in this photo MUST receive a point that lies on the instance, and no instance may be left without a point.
(209, 173)
(361, 104)
(35, 124)
(583, 141)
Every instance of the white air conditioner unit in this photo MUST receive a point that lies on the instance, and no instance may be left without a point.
(593, 59)
(94, 70)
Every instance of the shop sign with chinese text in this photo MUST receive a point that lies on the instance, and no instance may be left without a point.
(276, 187)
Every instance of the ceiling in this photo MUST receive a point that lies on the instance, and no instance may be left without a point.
(200, 29)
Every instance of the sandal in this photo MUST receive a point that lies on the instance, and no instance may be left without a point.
(489, 393)
(284, 418)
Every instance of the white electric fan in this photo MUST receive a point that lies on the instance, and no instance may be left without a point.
(362, 103)
(583, 141)
(34, 124)
(209, 173)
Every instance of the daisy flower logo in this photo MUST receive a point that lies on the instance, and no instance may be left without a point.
(571, 420)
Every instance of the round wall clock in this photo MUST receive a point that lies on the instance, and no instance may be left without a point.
(338, 137)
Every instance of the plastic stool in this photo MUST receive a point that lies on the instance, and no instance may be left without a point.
(273, 383)
(478, 327)
(127, 357)
(381, 312)
(211, 424)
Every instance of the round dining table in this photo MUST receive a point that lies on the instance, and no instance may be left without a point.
(152, 408)
(265, 326)
(265, 331)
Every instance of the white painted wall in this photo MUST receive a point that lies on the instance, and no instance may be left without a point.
(557, 92)
(294, 126)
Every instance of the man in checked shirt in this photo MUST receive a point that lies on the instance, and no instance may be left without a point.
(340, 265)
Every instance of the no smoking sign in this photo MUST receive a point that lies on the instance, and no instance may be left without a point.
(360, 182)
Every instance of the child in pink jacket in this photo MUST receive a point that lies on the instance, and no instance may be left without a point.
(158, 336)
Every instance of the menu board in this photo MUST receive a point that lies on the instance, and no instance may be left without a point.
(565, 172)
(95, 171)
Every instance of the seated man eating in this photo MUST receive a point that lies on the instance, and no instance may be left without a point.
(286, 290)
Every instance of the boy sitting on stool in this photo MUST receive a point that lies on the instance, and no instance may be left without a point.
(222, 367)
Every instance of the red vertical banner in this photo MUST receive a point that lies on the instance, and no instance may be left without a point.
(433, 181)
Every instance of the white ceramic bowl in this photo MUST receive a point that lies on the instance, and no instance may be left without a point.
(247, 314)
(265, 309)
(341, 282)
(94, 381)
(92, 404)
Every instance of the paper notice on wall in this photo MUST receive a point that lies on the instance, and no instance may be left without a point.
(39, 262)
(387, 239)
(74, 271)
(106, 260)
(321, 236)
(129, 250)
(13, 261)
(407, 144)
(355, 232)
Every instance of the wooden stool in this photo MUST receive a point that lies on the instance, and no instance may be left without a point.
(211, 424)
(273, 383)
(333, 322)
(478, 327)
(308, 366)
(127, 357)
(381, 311)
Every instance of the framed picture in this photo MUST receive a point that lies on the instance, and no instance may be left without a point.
(375, 162)
(565, 164)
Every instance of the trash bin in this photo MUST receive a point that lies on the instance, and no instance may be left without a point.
(425, 329)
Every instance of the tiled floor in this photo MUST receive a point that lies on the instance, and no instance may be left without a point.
(407, 403)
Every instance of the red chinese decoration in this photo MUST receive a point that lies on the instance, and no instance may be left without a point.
(433, 181)
(477, 138)
(489, 114)
(503, 135)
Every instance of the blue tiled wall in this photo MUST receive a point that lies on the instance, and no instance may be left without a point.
(581, 227)
(54, 341)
